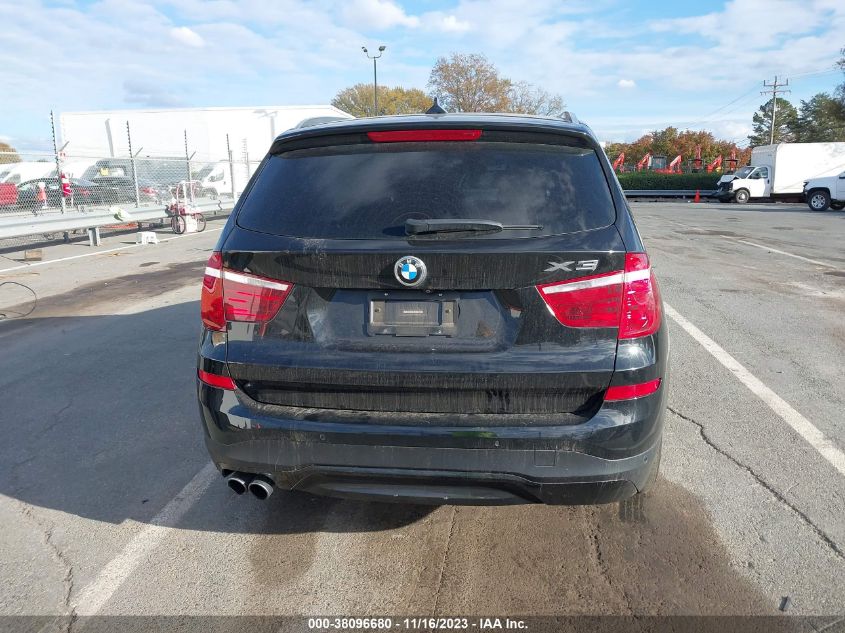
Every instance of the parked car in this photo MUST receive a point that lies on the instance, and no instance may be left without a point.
(778, 172)
(215, 179)
(82, 192)
(157, 175)
(826, 193)
(438, 309)
(121, 190)
(8, 194)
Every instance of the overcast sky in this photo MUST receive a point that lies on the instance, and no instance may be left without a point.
(623, 66)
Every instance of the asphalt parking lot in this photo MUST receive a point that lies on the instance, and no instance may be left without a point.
(109, 504)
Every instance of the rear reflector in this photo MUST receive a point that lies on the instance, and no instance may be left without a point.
(405, 136)
(629, 392)
(229, 295)
(626, 299)
(216, 380)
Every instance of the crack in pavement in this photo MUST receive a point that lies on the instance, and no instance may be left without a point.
(601, 566)
(47, 537)
(767, 486)
(13, 468)
(57, 420)
(445, 556)
(829, 625)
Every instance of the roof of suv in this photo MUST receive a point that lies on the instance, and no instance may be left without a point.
(503, 121)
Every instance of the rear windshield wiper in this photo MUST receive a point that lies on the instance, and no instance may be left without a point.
(421, 227)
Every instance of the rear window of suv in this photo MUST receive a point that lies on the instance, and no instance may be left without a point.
(369, 190)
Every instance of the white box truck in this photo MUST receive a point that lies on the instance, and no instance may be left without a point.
(778, 172)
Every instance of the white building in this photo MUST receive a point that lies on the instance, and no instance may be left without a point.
(161, 132)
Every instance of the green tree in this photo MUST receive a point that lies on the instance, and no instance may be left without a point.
(357, 100)
(664, 142)
(821, 120)
(472, 83)
(524, 98)
(839, 95)
(8, 154)
(469, 83)
(403, 101)
(786, 123)
(670, 142)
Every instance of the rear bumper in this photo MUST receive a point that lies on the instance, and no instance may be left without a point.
(603, 459)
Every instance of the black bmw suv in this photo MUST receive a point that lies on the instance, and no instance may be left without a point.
(436, 309)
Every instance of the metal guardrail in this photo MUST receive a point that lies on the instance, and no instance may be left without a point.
(668, 193)
(14, 226)
(17, 226)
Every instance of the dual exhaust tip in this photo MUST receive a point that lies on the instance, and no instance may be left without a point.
(260, 486)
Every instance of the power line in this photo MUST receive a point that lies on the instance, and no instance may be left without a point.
(730, 103)
(704, 119)
(742, 104)
(812, 73)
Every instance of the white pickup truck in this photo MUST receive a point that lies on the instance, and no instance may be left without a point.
(779, 171)
(824, 193)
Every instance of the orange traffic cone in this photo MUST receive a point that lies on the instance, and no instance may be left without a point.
(697, 196)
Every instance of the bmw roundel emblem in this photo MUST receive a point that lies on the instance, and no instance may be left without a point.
(410, 270)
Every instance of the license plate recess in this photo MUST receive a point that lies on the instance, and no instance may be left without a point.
(435, 316)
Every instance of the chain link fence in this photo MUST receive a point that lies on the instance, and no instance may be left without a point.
(38, 184)
(45, 184)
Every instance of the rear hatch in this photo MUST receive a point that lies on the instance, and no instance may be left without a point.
(425, 272)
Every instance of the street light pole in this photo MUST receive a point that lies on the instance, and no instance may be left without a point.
(375, 75)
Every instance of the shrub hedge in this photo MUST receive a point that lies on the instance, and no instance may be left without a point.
(653, 180)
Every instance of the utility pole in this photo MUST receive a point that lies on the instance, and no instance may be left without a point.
(774, 89)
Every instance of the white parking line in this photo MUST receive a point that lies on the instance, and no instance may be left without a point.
(798, 422)
(755, 244)
(93, 598)
(779, 252)
(108, 250)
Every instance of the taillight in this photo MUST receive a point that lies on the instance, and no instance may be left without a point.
(211, 302)
(593, 301)
(252, 298)
(229, 295)
(627, 299)
(640, 298)
(404, 136)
